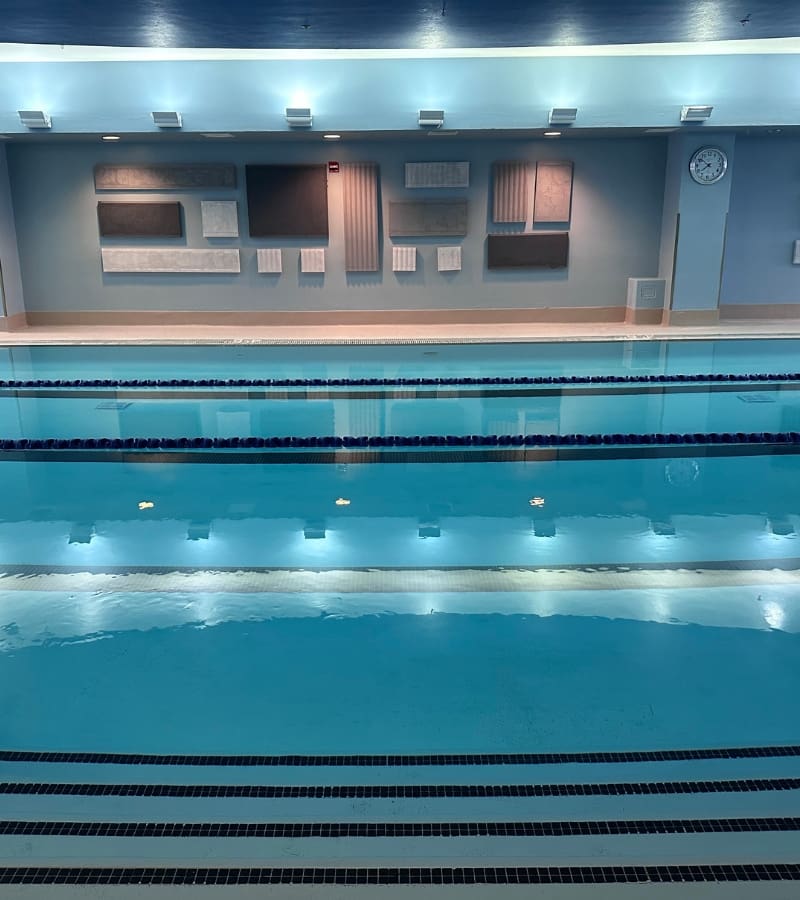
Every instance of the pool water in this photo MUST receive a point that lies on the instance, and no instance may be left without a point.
(203, 602)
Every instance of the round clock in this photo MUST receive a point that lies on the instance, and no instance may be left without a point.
(708, 165)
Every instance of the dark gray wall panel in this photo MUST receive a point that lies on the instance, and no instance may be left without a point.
(170, 177)
(287, 201)
(428, 217)
(139, 219)
(360, 217)
(528, 251)
(552, 200)
(510, 191)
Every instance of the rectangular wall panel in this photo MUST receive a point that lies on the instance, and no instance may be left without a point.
(437, 175)
(448, 259)
(220, 218)
(404, 259)
(269, 260)
(139, 219)
(428, 217)
(171, 177)
(360, 217)
(312, 260)
(287, 201)
(552, 200)
(510, 191)
(528, 251)
(796, 255)
(159, 260)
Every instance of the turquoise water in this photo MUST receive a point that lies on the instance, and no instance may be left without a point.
(201, 604)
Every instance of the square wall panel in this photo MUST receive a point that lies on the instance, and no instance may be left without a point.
(449, 259)
(404, 259)
(287, 201)
(220, 218)
(312, 260)
(270, 260)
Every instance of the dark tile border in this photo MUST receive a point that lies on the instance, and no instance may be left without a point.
(399, 791)
(299, 830)
(408, 876)
(392, 760)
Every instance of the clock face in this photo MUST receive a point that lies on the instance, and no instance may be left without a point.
(708, 165)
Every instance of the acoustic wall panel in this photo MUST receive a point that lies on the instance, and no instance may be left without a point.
(428, 217)
(270, 261)
(312, 260)
(796, 255)
(220, 218)
(510, 191)
(139, 219)
(552, 201)
(170, 177)
(404, 259)
(152, 260)
(360, 198)
(528, 251)
(448, 259)
(437, 175)
(287, 201)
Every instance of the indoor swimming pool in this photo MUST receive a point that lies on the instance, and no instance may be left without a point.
(620, 596)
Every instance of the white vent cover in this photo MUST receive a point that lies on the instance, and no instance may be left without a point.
(437, 175)
(404, 259)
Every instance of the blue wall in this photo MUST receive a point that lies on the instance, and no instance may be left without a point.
(9, 258)
(764, 222)
(615, 231)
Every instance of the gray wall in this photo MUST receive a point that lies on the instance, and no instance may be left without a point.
(9, 258)
(616, 222)
(764, 222)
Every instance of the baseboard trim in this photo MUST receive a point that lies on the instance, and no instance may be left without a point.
(13, 323)
(692, 317)
(644, 316)
(328, 317)
(760, 311)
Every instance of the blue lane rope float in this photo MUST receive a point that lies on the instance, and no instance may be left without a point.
(555, 380)
(400, 441)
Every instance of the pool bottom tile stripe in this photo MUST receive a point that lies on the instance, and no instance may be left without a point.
(399, 791)
(391, 760)
(407, 876)
(299, 830)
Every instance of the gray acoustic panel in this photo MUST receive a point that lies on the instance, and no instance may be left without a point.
(404, 259)
(511, 191)
(428, 217)
(528, 251)
(360, 217)
(437, 175)
(159, 260)
(139, 219)
(312, 260)
(220, 218)
(269, 260)
(167, 177)
(448, 259)
(287, 201)
(552, 200)
(796, 254)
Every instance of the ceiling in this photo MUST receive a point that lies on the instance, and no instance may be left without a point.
(415, 24)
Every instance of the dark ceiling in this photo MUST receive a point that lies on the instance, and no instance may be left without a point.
(354, 24)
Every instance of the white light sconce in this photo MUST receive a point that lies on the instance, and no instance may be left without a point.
(314, 531)
(299, 117)
(781, 525)
(429, 530)
(430, 118)
(695, 113)
(198, 531)
(663, 526)
(544, 527)
(562, 115)
(34, 118)
(167, 119)
(81, 533)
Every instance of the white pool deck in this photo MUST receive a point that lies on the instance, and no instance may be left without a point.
(512, 332)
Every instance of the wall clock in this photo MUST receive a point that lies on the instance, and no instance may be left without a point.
(708, 165)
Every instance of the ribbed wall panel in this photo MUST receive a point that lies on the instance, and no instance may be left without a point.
(511, 191)
(361, 217)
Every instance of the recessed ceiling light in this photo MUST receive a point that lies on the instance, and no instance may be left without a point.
(342, 501)
(110, 137)
(331, 137)
(552, 134)
(218, 135)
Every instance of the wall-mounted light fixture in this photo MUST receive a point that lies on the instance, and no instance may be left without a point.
(167, 119)
(562, 115)
(430, 118)
(299, 117)
(81, 533)
(695, 113)
(198, 531)
(429, 530)
(314, 531)
(34, 118)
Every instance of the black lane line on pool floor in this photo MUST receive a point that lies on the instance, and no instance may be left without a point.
(434, 759)
(300, 830)
(398, 393)
(399, 791)
(670, 874)
(399, 455)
